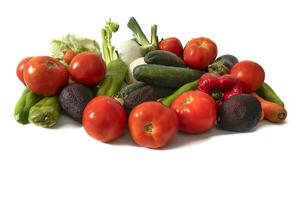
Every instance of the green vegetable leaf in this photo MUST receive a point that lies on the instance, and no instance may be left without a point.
(72, 42)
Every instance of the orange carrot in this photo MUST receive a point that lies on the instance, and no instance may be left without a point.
(271, 111)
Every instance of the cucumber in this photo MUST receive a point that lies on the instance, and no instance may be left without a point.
(123, 93)
(25, 102)
(163, 58)
(267, 93)
(165, 76)
(145, 93)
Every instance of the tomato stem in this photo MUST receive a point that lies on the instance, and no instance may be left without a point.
(149, 127)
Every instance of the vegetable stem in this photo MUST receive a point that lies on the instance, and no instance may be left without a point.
(108, 49)
(137, 32)
(154, 38)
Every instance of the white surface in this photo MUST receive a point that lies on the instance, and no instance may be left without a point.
(65, 163)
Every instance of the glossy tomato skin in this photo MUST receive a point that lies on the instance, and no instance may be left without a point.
(87, 68)
(152, 124)
(171, 44)
(250, 74)
(104, 118)
(45, 75)
(20, 68)
(196, 112)
(200, 52)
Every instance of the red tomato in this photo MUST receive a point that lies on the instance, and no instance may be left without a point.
(69, 55)
(20, 68)
(152, 124)
(196, 111)
(87, 68)
(104, 118)
(172, 45)
(45, 75)
(250, 74)
(200, 52)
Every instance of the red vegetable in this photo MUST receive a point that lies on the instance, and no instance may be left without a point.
(199, 53)
(104, 118)
(250, 74)
(172, 45)
(69, 55)
(20, 68)
(220, 88)
(87, 68)
(196, 112)
(45, 75)
(152, 124)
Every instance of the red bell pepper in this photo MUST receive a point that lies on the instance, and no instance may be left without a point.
(220, 88)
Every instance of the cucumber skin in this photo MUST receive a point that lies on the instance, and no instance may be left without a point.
(161, 57)
(25, 102)
(267, 93)
(165, 76)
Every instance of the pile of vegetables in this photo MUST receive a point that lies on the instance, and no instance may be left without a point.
(156, 87)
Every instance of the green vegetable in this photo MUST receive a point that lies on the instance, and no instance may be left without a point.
(116, 68)
(267, 93)
(45, 113)
(126, 90)
(187, 87)
(140, 36)
(165, 76)
(25, 102)
(163, 58)
(72, 42)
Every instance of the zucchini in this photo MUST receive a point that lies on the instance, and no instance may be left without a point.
(143, 94)
(161, 57)
(25, 102)
(165, 76)
(123, 93)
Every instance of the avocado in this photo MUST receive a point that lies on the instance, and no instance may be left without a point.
(239, 113)
(73, 99)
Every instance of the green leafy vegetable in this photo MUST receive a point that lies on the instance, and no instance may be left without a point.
(72, 42)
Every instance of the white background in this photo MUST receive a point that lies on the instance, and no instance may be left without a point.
(65, 163)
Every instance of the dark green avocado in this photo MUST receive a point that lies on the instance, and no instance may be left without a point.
(239, 113)
(73, 99)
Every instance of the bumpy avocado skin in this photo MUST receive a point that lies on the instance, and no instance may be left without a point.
(240, 113)
(73, 99)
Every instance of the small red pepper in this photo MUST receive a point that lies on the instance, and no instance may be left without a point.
(220, 88)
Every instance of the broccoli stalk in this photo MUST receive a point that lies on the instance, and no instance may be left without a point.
(109, 50)
(140, 36)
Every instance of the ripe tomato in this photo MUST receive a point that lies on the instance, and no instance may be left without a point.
(45, 75)
(20, 68)
(87, 68)
(196, 111)
(104, 118)
(250, 74)
(199, 53)
(171, 44)
(152, 124)
(69, 55)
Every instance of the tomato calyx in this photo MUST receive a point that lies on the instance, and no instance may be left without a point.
(50, 64)
(149, 128)
(188, 100)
